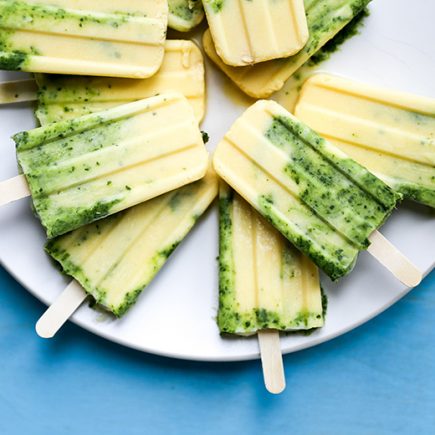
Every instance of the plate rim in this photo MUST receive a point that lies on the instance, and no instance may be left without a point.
(246, 357)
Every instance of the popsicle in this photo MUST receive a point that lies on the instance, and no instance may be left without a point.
(115, 259)
(391, 133)
(325, 19)
(65, 97)
(249, 32)
(321, 200)
(184, 15)
(265, 283)
(93, 166)
(84, 37)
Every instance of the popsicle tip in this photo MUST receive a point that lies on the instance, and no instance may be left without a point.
(414, 277)
(275, 388)
(60, 310)
(43, 330)
(399, 265)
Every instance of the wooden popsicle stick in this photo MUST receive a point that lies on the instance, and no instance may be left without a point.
(61, 310)
(18, 91)
(13, 189)
(390, 257)
(271, 359)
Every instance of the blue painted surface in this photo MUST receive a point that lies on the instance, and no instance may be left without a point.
(378, 379)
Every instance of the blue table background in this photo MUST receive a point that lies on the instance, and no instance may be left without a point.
(378, 379)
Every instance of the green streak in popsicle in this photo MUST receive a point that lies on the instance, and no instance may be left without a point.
(320, 199)
(184, 15)
(263, 281)
(116, 258)
(86, 168)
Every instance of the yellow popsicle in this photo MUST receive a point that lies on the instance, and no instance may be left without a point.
(265, 283)
(116, 258)
(65, 97)
(321, 200)
(84, 169)
(389, 132)
(83, 37)
(249, 32)
(325, 19)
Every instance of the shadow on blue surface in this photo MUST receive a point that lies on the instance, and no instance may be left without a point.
(377, 379)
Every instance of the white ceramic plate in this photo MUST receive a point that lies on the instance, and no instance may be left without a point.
(175, 316)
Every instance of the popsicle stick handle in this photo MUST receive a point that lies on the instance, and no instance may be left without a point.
(61, 310)
(13, 190)
(18, 91)
(271, 359)
(390, 257)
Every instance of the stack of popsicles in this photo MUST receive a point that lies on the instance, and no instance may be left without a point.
(119, 163)
(119, 158)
